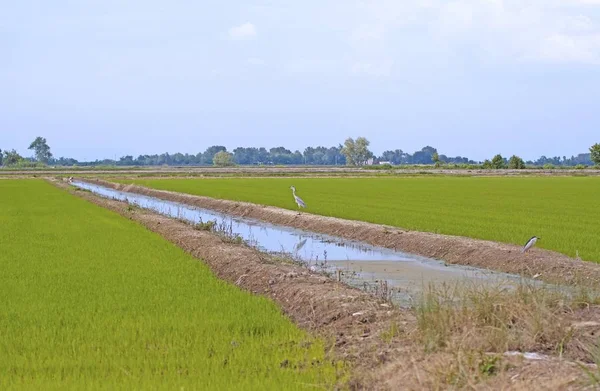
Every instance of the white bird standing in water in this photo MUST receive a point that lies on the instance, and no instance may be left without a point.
(298, 200)
(530, 243)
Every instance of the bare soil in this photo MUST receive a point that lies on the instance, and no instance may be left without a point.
(358, 325)
(542, 264)
(292, 170)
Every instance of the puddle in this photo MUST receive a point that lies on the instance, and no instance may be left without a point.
(403, 276)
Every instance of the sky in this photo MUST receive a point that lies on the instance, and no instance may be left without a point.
(106, 78)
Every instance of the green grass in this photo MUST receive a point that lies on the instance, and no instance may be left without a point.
(563, 211)
(90, 300)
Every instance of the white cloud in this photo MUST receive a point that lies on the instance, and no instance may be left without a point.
(571, 49)
(243, 31)
(577, 24)
(561, 31)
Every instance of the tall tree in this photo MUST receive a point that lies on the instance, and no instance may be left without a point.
(424, 156)
(498, 162)
(595, 153)
(516, 163)
(394, 157)
(223, 159)
(356, 152)
(41, 149)
(349, 150)
(210, 153)
(362, 150)
(0, 157)
(11, 158)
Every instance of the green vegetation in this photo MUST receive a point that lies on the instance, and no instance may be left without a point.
(595, 153)
(562, 211)
(42, 150)
(356, 152)
(223, 159)
(91, 300)
(516, 163)
(498, 162)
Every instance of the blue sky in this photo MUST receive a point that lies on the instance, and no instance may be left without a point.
(101, 78)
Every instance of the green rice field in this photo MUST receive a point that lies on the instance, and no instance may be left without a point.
(91, 300)
(563, 211)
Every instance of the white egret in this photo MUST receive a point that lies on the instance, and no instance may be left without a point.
(530, 243)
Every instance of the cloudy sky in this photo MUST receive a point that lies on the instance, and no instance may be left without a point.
(100, 78)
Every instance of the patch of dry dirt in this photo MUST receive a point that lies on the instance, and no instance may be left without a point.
(547, 265)
(296, 170)
(356, 324)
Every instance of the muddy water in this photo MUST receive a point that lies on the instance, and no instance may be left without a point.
(360, 264)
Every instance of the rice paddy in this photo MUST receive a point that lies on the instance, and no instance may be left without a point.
(89, 299)
(562, 211)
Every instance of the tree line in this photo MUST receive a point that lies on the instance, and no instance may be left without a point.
(352, 152)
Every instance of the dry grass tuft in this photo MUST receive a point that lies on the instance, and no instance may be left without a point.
(473, 327)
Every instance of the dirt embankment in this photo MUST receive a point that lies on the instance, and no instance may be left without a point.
(545, 265)
(292, 170)
(382, 343)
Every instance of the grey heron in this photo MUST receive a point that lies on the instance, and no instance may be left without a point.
(298, 200)
(300, 244)
(530, 243)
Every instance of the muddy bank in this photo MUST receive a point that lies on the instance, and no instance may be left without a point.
(358, 325)
(543, 264)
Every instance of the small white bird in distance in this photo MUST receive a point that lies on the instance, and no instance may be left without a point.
(300, 244)
(530, 243)
(298, 200)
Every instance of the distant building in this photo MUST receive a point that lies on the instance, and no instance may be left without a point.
(369, 162)
(382, 163)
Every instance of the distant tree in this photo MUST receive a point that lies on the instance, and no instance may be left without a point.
(41, 149)
(281, 155)
(435, 158)
(356, 152)
(424, 156)
(126, 161)
(349, 150)
(11, 158)
(516, 163)
(66, 162)
(498, 162)
(487, 164)
(595, 153)
(0, 157)
(318, 156)
(362, 150)
(334, 156)
(209, 154)
(223, 159)
(394, 157)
